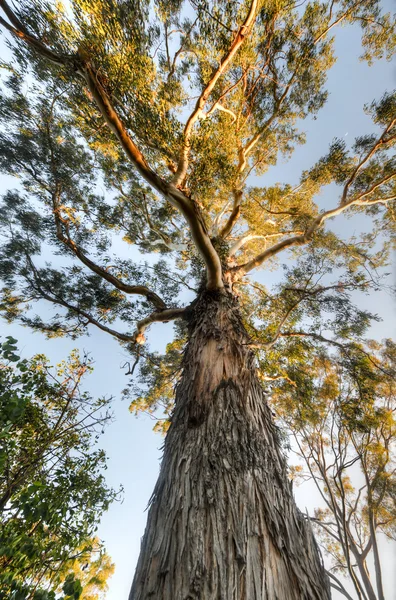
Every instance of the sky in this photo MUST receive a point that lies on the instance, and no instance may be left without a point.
(133, 449)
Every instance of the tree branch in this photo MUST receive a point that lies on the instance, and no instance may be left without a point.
(298, 240)
(381, 141)
(164, 316)
(344, 204)
(177, 198)
(321, 338)
(140, 290)
(18, 29)
(247, 237)
(338, 585)
(232, 219)
(222, 108)
(90, 319)
(240, 37)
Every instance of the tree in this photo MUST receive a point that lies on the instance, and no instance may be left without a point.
(52, 486)
(173, 108)
(342, 415)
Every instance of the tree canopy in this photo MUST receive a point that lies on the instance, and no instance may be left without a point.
(151, 124)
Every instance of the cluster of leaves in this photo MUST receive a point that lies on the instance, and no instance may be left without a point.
(157, 378)
(52, 487)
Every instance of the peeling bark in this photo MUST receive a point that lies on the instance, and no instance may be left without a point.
(222, 522)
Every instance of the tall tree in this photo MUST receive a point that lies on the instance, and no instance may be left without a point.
(52, 488)
(173, 107)
(341, 410)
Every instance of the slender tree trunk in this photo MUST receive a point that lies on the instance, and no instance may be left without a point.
(377, 560)
(223, 524)
(365, 577)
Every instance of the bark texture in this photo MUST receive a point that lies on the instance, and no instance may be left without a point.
(223, 524)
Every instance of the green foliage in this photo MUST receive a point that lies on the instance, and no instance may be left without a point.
(52, 487)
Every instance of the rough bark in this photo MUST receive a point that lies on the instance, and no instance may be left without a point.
(222, 523)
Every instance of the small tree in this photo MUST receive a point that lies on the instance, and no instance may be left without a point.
(173, 107)
(52, 486)
(341, 410)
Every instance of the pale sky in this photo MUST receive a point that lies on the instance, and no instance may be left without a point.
(134, 451)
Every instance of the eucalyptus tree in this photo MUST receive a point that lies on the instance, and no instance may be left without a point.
(341, 410)
(147, 123)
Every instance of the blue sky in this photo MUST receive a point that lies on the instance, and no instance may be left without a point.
(134, 450)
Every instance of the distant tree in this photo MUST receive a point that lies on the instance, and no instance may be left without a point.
(341, 411)
(52, 488)
(147, 122)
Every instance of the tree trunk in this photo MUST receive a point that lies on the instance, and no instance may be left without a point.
(222, 523)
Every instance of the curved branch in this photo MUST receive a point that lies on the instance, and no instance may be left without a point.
(140, 290)
(235, 213)
(162, 316)
(232, 219)
(247, 237)
(381, 141)
(297, 240)
(170, 314)
(280, 325)
(344, 204)
(338, 585)
(177, 198)
(19, 30)
(222, 108)
(90, 319)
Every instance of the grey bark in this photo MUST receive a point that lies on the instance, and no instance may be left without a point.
(223, 524)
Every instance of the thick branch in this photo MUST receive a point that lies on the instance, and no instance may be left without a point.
(114, 122)
(251, 236)
(222, 108)
(232, 219)
(164, 316)
(18, 29)
(186, 206)
(297, 240)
